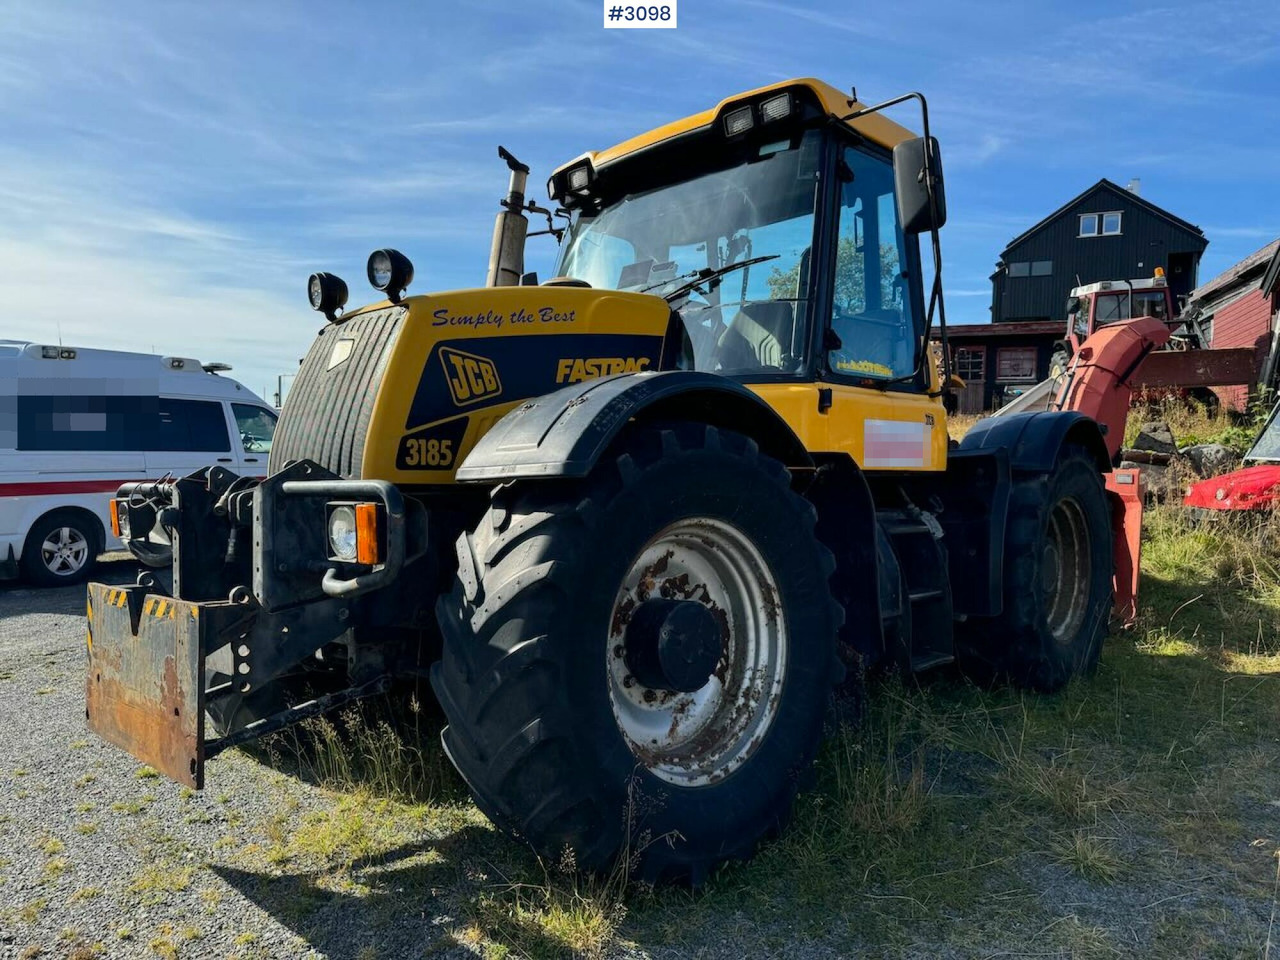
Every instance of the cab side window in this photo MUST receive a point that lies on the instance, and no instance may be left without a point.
(871, 311)
(256, 426)
(191, 426)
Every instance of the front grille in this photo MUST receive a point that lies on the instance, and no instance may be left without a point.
(327, 414)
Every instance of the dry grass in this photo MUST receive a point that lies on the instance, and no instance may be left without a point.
(377, 747)
(1193, 422)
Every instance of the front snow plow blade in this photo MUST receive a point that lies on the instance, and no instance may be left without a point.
(145, 687)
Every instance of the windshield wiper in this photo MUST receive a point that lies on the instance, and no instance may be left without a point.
(699, 277)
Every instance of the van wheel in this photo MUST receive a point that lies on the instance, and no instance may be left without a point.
(62, 548)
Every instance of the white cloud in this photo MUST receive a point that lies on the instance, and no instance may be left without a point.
(98, 270)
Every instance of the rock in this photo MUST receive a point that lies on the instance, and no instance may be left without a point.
(1209, 459)
(1158, 482)
(1156, 437)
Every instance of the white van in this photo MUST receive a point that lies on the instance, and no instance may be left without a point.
(77, 423)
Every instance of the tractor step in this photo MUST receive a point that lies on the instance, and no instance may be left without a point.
(921, 596)
(904, 528)
(929, 660)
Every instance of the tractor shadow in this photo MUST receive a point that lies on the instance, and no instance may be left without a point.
(417, 899)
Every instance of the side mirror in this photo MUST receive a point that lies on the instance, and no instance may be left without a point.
(914, 210)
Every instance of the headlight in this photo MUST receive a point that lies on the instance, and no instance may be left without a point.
(355, 532)
(342, 532)
(776, 108)
(738, 121)
(327, 293)
(390, 271)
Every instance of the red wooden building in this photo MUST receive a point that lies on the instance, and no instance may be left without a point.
(1241, 308)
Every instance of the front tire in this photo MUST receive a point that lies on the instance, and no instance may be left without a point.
(564, 731)
(61, 549)
(1058, 566)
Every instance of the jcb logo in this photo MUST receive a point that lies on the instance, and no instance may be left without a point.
(572, 371)
(470, 378)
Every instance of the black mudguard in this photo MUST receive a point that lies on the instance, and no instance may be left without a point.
(1034, 439)
(564, 433)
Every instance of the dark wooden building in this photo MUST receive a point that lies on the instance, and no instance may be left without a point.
(997, 361)
(1108, 232)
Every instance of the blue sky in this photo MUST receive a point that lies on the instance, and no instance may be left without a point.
(170, 173)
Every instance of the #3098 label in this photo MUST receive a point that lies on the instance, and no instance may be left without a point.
(630, 15)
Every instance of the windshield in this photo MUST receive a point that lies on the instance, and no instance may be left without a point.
(752, 222)
(1116, 306)
(1267, 446)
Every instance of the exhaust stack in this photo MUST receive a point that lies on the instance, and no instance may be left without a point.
(506, 255)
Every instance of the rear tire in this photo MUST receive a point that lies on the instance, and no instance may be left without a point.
(1058, 581)
(61, 549)
(543, 726)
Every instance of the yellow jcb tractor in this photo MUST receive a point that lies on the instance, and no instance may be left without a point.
(636, 522)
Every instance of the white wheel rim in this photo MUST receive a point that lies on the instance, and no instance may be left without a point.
(65, 551)
(699, 738)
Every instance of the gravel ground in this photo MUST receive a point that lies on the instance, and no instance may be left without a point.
(98, 860)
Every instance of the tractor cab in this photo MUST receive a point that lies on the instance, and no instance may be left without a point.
(1093, 306)
(771, 230)
(1096, 305)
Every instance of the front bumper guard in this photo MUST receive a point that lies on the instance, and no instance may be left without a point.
(145, 690)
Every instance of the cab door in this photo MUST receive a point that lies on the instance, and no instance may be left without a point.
(254, 427)
(881, 413)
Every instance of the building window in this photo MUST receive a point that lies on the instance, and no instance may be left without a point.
(1031, 268)
(971, 364)
(1100, 224)
(1016, 363)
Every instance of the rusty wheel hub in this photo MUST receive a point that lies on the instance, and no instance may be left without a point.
(697, 652)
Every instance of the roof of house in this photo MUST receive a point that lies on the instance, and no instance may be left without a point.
(1015, 328)
(1105, 184)
(1271, 279)
(1259, 261)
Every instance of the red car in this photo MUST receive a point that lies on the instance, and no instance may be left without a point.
(1256, 486)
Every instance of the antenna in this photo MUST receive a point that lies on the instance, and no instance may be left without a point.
(59, 323)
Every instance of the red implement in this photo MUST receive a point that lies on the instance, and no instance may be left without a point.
(1101, 379)
(1124, 490)
(1100, 384)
